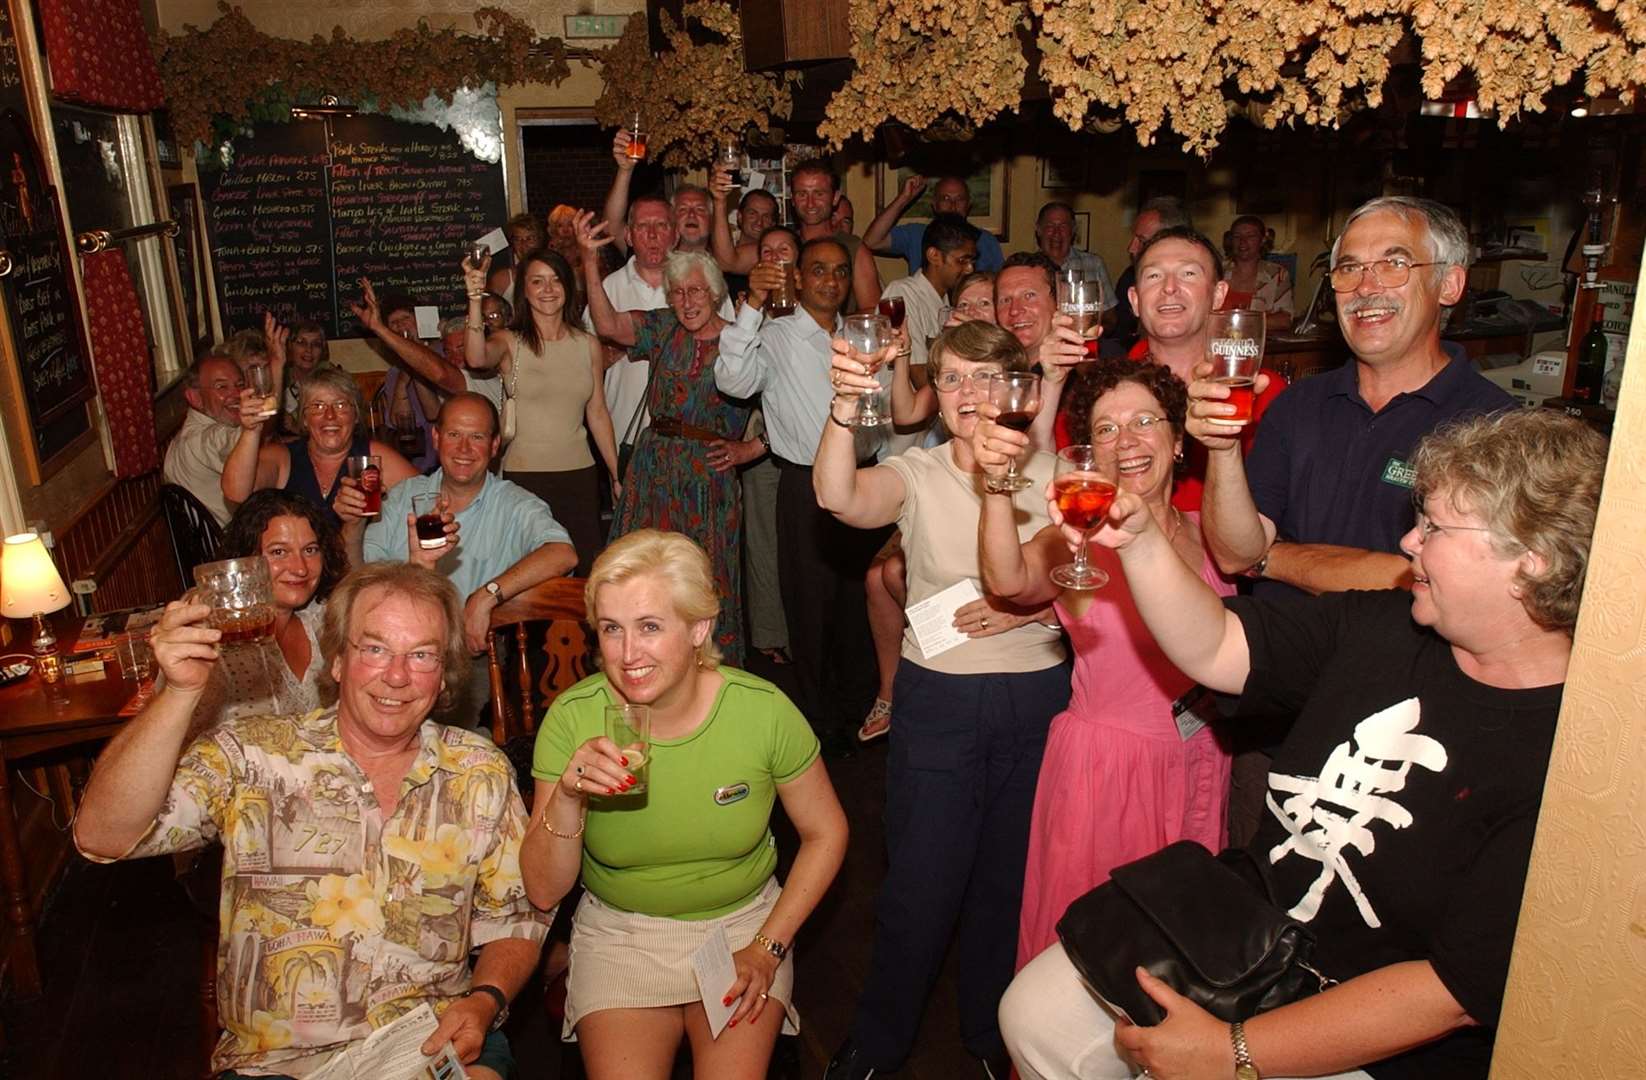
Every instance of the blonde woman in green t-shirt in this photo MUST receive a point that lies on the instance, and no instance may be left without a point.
(694, 856)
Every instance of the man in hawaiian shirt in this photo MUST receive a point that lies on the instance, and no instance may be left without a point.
(366, 849)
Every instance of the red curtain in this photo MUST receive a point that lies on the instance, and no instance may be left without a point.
(100, 54)
(120, 352)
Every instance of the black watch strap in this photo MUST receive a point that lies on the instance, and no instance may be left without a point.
(496, 995)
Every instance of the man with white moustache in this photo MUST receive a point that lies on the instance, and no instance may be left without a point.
(1323, 498)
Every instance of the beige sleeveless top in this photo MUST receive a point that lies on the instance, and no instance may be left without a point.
(551, 389)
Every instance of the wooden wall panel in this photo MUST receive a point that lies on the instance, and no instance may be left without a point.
(1576, 1003)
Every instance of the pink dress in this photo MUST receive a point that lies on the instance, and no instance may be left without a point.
(1117, 782)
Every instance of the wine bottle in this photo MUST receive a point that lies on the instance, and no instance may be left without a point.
(1591, 361)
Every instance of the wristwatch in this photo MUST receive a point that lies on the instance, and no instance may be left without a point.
(776, 948)
(1260, 568)
(502, 1000)
(1244, 1069)
(495, 589)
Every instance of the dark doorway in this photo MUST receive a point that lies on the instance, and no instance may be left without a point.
(567, 158)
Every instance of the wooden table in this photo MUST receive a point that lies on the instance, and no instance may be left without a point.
(77, 712)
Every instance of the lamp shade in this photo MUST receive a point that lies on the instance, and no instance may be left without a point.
(29, 582)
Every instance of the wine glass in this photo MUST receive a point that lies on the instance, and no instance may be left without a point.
(894, 309)
(1017, 395)
(1084, 486)
(1082, 300)
(870, 334)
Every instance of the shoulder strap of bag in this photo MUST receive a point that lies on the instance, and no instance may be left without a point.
(632, 430)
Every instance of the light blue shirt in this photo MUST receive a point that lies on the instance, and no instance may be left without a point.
(786, 361)
(909, 241)
(503, 525)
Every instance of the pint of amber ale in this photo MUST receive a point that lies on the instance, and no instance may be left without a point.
(1234, 345)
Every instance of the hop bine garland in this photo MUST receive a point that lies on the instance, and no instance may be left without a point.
(692, 94)
(945, 67)
(1186, 65)
(220, 79)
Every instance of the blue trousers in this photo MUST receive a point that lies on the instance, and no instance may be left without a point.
(960, 782)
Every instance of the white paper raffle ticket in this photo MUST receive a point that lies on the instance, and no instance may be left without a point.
(932, 620)
(716, 972)
(395, 1052)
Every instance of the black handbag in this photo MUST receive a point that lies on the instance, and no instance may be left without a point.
(1191, 920)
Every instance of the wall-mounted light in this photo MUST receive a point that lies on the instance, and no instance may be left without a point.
(1580, 105)
(328, 106)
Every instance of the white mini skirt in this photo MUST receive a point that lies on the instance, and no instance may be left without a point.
(624, 960)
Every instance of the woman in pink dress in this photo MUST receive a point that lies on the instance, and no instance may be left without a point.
(1122, 776)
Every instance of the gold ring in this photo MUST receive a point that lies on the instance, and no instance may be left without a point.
(763, 997)
(984, 623)
(578, 786)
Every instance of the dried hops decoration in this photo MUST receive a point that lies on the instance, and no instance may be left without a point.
(951, 65)
(1177, 64)
(224, 77)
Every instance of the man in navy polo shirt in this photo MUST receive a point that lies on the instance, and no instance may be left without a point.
(1326, 492)
(1325, 495)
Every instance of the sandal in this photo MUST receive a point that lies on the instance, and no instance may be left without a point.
(877, 723)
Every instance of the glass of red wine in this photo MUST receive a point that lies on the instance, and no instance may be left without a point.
(1084, 487)
(1017, 395)
(892, 307)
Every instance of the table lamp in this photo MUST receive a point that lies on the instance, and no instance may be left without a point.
(30, 586)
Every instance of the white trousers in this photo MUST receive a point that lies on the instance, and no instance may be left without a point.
(1056, 1030)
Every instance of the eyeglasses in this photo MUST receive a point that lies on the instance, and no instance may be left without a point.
(377, 658)
(1427, 527)
(695, 293)
(950, 381)
(336, 408)
(1390, 273)
(1141, 424)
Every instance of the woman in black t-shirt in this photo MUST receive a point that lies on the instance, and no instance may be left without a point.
(1401, 806)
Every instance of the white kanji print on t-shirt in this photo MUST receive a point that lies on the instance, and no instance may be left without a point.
(1330, 814)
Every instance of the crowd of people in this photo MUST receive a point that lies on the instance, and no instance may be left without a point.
(1333, 637)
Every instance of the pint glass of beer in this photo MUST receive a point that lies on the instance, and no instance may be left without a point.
(261, 379)
(367, 471)
(1234, 345)
(240, 593)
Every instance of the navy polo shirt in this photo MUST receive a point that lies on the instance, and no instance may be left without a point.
(1326, 469)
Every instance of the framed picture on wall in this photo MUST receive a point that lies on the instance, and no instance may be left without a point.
(987, 183)
(184, 202)
(1063, 172)
(1082, 229)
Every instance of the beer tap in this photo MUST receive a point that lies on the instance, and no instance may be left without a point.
(1594, 246)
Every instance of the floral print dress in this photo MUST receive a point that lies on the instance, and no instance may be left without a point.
(669, 484)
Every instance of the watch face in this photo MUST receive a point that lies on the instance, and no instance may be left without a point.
(1246, 1072)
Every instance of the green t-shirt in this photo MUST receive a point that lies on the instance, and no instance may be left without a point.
(692, 847)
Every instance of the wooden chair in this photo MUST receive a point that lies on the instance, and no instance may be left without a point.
(195, 535)
(568, 646)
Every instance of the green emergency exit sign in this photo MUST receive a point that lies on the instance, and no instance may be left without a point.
(595, 26)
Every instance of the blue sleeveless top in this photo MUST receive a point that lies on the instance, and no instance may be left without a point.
(302, 481)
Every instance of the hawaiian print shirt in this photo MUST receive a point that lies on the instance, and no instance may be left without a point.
(336, 919)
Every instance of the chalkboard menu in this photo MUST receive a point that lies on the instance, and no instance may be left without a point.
(52, 367)
(308, 208)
